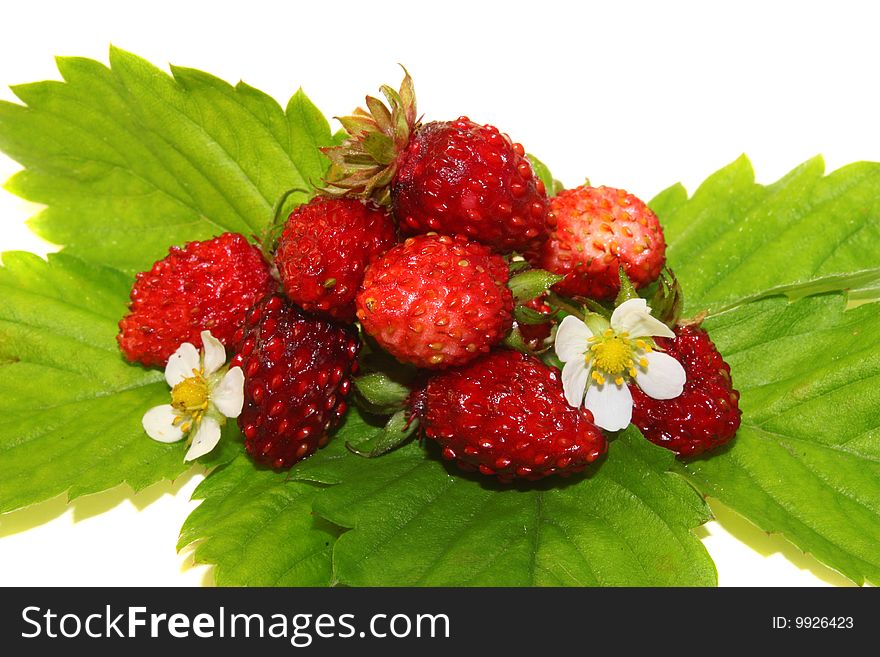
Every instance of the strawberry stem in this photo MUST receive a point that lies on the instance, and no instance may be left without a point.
(269, 238)
(559, 303)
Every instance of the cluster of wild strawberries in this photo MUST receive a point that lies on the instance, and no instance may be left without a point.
(411, 237)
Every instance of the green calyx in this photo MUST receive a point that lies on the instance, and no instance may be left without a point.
(627, 289)
(365, 164)
(551, 185)
(667, 300)
(529, 284)
(382, 393)
(400, 428)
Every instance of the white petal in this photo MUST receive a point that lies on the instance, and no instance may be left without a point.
(634, 317)
(575, 375)
(215, 354)
(663, 378)
(206, 438)
(181, 364)
(228, 396)
(159, 424)
(610, 404)
(571, 339)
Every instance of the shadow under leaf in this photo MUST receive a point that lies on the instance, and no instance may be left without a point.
(89, 506)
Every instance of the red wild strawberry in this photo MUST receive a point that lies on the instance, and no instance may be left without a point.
(706, 414)
(203, 286)
(436, 301)
(324, 249)
(461, 177)
(453, 177)
(297, 375)
(505, 414)
(596, 230)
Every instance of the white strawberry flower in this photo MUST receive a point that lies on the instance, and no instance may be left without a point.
(203, 395)
(600, 360)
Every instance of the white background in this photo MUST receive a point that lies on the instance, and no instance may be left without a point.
(636, 95)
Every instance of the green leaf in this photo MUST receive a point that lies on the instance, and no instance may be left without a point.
(735, 240)
(669, 200)
(130, 160)
(806, 461)
(71, 407)
(257, 527)
(415, 522)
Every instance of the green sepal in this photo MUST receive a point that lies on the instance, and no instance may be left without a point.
(551, 359)
(665, 298)
(399, 428)
(565, 306)
(627, 289)
(525, 315)
(596, 307)
(551, 185)
(381, 147)
(514, 340)
(517, 264)
(532, 283)
(380, 114)
(356, 124)
(596, 323)
(380, 394)
(365, 163)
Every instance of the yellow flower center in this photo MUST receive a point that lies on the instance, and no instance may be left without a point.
(614, 355)
(190, 398)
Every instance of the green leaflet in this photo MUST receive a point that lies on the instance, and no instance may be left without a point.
(734, 240)
(71, 406)
(806, 461)
(258, 528)
(129, 160)
(415, 522)
(257, 525)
